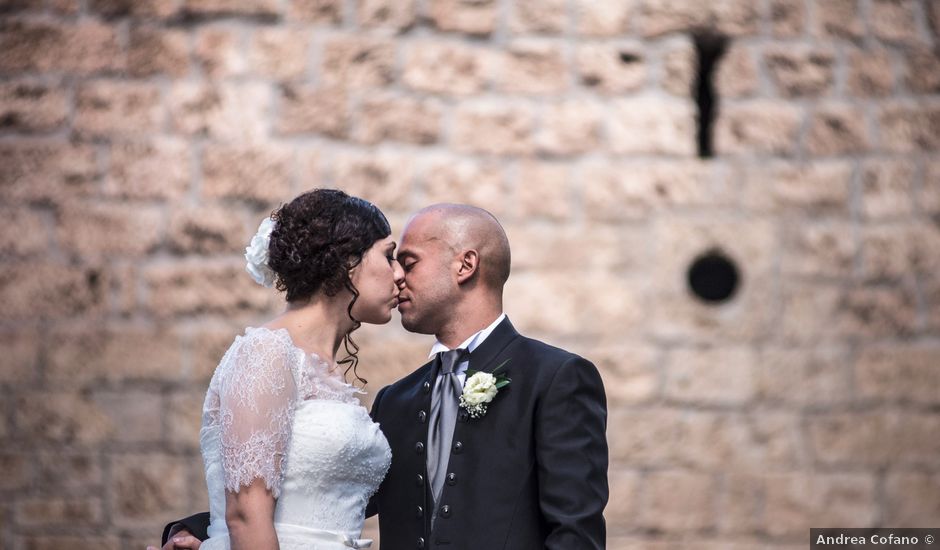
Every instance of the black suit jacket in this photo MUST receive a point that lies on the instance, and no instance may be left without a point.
(530, 474)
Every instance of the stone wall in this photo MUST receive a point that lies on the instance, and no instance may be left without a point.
(141, 141)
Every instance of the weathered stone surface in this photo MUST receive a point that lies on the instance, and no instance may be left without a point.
(650, 125)
(395, 118)
(734, 17)
(539, 16)
(633, 190)
(157, 169)
(679, 315)
(611, 69)
(817, 186)
(305, 110)
(898, 252)
(84, 48)
(61, 417)
(147, 486)
(870, 73)
(447, 67)
(929, 198)
(796, 501)
(32, 106)
(874, 438)
(23, 233)
(601, 19)
(356, 62)
(383, 178)
(218, 51)
(719, 376)
(57, 511)
(133, 414)
(474, 17)
(804, 377)
(756, 127)
(570, 128)
(159, 9)
(55, 542)
(236, 172)
(913, 498)
(115, 354)
(629, 372)
(787, 17)
(544, 190)
(232, 112)
(923, 70)
(68, 471)
(801, 71)
(316, 11)
(398, 15)
(243, 8)
(623, 506)
(906, 373)
(737, 74)
(493, 128)
(446, 179)
(206, 230)
(155, 51)
(93, 230)
(680, 68)
(17, 469)
(677, 501)
(533, 67)
(823, 249)
(837, 129)
(839, 19)
(279, 54)
(19, 364)
(894, 21)
(581, 310)
(715, 441)
(109, 108)
(887, 189)
(905, 128)
(47, 171)
(44, 289)
(202, 288)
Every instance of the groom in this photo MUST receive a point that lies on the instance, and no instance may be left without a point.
(530, 472)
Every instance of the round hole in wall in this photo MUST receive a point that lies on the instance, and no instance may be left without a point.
(713, 277)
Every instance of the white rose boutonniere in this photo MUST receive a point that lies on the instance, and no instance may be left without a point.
(481, 388)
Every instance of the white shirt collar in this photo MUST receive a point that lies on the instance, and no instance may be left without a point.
(471, 343)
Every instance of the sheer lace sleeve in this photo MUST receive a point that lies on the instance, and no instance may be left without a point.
(257, 398)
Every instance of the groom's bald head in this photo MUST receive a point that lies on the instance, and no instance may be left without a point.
(464, 227)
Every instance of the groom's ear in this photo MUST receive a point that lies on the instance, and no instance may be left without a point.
(469, 264)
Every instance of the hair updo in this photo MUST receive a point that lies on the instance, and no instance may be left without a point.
(317, 238)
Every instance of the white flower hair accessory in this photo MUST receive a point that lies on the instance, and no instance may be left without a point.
(257, 255)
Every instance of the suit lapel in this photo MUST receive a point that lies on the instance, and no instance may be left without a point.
(483, 358)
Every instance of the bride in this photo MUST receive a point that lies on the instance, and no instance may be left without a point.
(291, 458)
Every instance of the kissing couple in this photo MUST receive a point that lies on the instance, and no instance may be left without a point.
(497, 442)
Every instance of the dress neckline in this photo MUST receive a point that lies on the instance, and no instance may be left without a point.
(320, 364)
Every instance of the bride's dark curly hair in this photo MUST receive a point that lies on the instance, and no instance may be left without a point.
(317, 238)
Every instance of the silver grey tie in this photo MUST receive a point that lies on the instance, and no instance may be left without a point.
(444, 401)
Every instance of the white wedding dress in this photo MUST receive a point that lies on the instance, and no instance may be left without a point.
(276, 412)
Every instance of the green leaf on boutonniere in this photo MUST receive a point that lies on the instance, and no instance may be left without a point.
(503, 382)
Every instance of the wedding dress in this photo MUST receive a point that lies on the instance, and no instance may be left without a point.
(276, 412)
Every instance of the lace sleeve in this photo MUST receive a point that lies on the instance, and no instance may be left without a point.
(257, 397)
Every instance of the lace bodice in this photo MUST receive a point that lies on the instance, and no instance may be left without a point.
(276, 413)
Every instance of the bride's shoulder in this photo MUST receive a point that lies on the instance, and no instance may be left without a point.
(257, 347)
